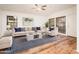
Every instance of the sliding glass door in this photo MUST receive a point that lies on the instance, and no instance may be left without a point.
(51, 23)
(61, 24)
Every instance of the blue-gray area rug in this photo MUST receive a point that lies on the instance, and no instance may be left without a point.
(20, 44)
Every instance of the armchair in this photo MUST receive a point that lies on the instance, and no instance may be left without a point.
(53, 32)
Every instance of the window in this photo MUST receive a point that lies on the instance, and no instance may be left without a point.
(51, 23)
(11, 22)
(61, 24)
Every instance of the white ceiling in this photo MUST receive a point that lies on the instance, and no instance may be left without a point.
(28, 8)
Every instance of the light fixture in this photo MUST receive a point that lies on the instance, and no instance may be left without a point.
(40, 7)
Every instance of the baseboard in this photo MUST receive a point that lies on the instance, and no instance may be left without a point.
(67, 35)
(77, 50)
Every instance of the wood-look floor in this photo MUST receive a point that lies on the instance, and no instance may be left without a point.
(63, 45)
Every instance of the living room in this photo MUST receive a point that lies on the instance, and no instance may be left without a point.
(38, 20)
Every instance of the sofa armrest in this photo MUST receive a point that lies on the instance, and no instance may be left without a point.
(5, 42)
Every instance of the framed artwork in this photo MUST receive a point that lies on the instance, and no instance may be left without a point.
(51, 22)
(27, 21)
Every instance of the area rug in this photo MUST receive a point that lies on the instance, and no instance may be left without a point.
(21, 43)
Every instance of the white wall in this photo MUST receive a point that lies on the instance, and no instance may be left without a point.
(78, 28)
(0, 21)
(39, 20)
(70, 20)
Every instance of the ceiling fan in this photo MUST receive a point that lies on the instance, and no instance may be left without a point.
(40, 7)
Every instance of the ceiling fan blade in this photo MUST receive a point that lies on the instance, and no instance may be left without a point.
(40, 7)
(44, 6)
(36, 4)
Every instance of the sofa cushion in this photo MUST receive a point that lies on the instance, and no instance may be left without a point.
(22, 29)
(50, 29)
(17, 29)
(38, 28)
